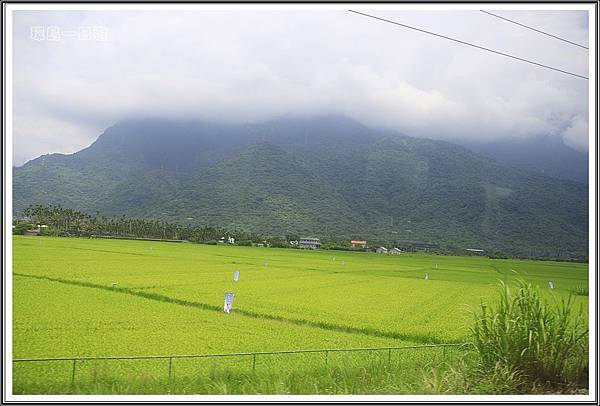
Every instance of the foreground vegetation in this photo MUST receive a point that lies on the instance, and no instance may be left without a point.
(534, 342)
(89, 297)
(401, 371)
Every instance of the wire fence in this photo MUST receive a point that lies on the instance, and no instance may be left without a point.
(75, 361)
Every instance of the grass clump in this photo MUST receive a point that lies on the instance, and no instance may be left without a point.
(580, 290)
(534, 345)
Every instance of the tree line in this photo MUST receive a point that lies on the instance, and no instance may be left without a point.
(61, 221)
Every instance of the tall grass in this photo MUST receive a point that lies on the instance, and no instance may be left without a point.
(370, 373)
(580, 290)
(539, 344)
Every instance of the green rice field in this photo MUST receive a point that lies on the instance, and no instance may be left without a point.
(110, 298)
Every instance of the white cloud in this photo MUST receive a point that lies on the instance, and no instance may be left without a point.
(250, 66)
(577, 134)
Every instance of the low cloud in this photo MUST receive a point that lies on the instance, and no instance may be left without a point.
(576, 135)
(256, 65)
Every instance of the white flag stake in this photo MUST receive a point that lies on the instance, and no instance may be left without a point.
(228, 302)
(236, 275)
(550, 285)
(426, 275)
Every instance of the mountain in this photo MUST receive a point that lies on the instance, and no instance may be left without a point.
(547, 155)
(327, 176)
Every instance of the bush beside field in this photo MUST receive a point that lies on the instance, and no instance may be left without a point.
(539, 343)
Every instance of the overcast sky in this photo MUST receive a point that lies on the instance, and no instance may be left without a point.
(253, 66)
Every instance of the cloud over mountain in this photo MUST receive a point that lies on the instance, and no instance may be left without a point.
(252, 65)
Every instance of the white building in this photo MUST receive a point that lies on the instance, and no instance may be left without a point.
(312, 243)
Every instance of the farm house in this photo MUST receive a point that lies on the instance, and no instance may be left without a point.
(359, 243)
(312, 243)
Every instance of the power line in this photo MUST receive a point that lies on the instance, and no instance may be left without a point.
(472, 45)
(534, 29)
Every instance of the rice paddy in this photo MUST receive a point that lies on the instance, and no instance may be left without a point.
(111, 298)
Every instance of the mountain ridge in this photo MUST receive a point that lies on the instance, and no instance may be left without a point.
(325, 176)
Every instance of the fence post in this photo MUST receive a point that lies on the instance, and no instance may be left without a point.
(73, 373)
(389, 356)
(170, 370)
(326, 357)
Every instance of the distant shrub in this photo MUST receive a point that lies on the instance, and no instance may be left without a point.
(21, 227)
(244, 243)
(340, 248)
(544, 345)
(278, 244)
(47, 232)
(59, 233)
(210, 242)
(497, 255)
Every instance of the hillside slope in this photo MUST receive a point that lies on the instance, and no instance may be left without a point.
(324, 176)
(547, 155)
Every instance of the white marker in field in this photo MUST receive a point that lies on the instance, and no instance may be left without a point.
(114, 284)
(426, 275)
(228, 302)
(236, 276)
(550, 285)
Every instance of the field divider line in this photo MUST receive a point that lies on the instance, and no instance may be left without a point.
(71, 247)
(240, 354)
(368, 331)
